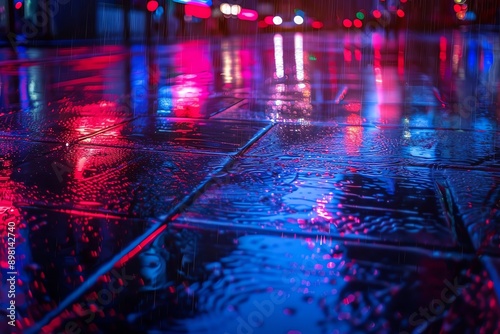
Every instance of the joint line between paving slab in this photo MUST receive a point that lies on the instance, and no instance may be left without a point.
(139, 243)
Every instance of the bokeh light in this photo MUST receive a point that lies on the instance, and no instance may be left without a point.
(225, 9)
(277, 20)
(317, 24)
(152, 5)
(298, 19)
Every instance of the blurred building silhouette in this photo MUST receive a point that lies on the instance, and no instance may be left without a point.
(118, 20)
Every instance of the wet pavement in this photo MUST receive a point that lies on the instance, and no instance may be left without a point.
(288, 183)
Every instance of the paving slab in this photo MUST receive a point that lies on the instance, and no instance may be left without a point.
(183, 135)
(63, 122)
(57, 251)
(476, 197)
(284, 183)
(258, 283)
(111, 180)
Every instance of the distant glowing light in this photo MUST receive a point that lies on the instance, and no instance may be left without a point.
(471, 16)
(269, 20)
(298, 19)
(357, 23)
(277, 20)
(225, 9)
(19, 4)
(461, 15)
(248, 14)
(300, 12)
(193, 2)
(377, 14)
(400, 13)
(347, 23)
(159, 11)
(460, 1)
(317, 25)
(403, 1)
(152, 6)
(457, 8)
(360, 15)
(235, 9)
(200, 11)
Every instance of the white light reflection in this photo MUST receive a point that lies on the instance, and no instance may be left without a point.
(280, 88)
(299, 56)
(278, 56)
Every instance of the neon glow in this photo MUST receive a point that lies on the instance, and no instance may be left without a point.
(193, 2)
(248, 15)
(225, 9)
(442, 48)
(317, 25)
(235, 10)
(200, 11)
(347, 55)
(269, 20)
(277, 20)
(298, 20)
(322, 210)
(152, 6)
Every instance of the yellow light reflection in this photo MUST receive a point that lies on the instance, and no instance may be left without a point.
(227, 63)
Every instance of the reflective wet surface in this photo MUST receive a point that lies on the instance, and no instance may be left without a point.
(283, 183)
